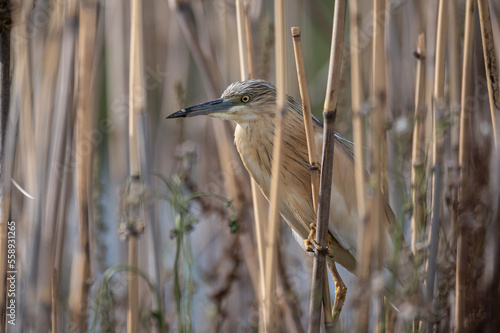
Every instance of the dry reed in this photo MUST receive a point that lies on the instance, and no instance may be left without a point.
(359, 162)
(258, 200)
(437, 152)
(136, 108)
(84, 120)
(490, 64)
(464, 166)
(454, 45)
(323, 211)
(372, 255)
(312, 154)
(418, 187)
(306, 109)
(270, 312)
(54, 287)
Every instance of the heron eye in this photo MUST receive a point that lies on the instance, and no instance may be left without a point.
(245, 99)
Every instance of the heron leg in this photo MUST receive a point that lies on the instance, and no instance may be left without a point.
(340, 291)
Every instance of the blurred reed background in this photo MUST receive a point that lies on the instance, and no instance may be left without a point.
(92, 186)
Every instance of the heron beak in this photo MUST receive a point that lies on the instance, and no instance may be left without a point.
(207, 108)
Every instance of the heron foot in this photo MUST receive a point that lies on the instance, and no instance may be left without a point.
(311, 245)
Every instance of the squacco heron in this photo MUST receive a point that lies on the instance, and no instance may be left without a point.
(252, 105)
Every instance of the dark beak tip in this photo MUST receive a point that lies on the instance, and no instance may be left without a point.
(178, 114)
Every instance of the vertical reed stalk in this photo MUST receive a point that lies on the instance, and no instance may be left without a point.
(258, 200)
(438, 149)
(84, 146)
(136, 108)
(490, 64)
(329, 116)
(418, 150)
(379, 91)
(306, 110)
(359, 164)
(454, 77)
(463, 162)
(379, 154)
(274, 216)
(249, 44)
(312, 154)
(54, 288)
(240, 25)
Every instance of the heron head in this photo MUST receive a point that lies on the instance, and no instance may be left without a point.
(241, 102)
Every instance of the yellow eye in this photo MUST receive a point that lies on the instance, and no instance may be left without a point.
(245, 99)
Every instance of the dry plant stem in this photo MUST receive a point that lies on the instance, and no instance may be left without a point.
(329, 115)
(379, 89)
(54, 297)
(454, 42)
(248, 38)
(438, 149)
(418, 150)
(490, 64)
(311, 150)
(274, 216)
(86, 41)
(371, 258)
(463, 162)
(136, 107)
(359, 165)
(363, 308)
(241, 39)
(378, 95)
(306, 109)
(258, 200)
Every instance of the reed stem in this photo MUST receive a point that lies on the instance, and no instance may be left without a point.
(438, 149)
(464, 165)
(306, 110)
(418, 150)
(136, 108)
(372, 260)
(490, 64)
(323, 213)
(270, 318)
(258, 200)
(312, 154)
(358, 129)
(84, 121)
